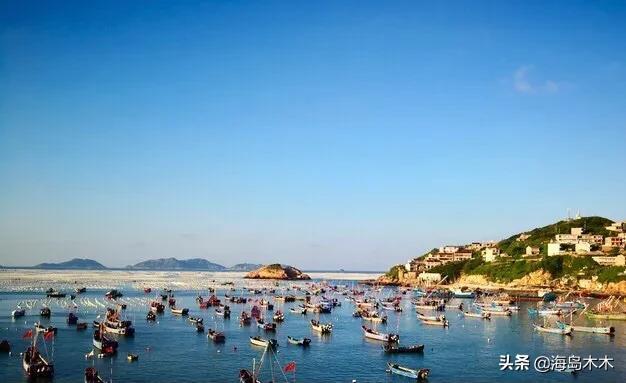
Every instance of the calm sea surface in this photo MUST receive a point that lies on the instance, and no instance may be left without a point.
(170, 350)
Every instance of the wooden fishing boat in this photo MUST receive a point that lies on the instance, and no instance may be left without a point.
(458, 293)
(428, 317)
(151, 316)
(176, 311)
(246, 376)
(119, 328)
(373, 334)
(34, 364)
(40, 328)
(279, 316)
(299, 341)
(374, 317)
(395, 349)
(18, 312)
(497, 312)
(606, 316)
(215, 336)
(157, 307)
(80, 290)
(418, 374)
(5, 346)
(45, 312)
(196, 320)
(298, 310)
(91, 375)
(103, 343)
(482, 315)
(113, 294)
(567, 330)
(55, 294)
(244, 319)
(258, 341)
(72, 319)
(594, 330)
(440, 321)
(324, 328)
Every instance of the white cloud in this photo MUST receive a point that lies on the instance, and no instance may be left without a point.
(523, 84)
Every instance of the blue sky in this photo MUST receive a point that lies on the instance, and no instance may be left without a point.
(322, 134)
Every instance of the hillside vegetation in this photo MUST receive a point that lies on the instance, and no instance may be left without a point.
(540, 236)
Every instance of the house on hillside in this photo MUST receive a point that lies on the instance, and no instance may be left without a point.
(490, 253)
(532, 251)
(618, 227)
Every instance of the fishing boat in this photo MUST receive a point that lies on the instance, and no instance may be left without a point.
(395, 349)
(5, 346)
(72, 319)
(459, 293)
(157, 307)
(147, 290)
(199, 327)
(265, 326)
(40, 328)
(606, 316)
(171, 302)
(18, 312)
(493, 312)
(429, 317)
(374, 317)
(323, 328)
(299, 341)
(176, 311)
(279, 316)
(244, 319)
(373, 334)
(55, 294)
(91, 375)
(113, 294)
(567, 330)
(298, 310)
(132, 357)
(196, 320)
(439, 321)
(483, 315)
(120, 328)
(103, 343)
(246, 376)
(80, 290)
(215, 336)
(594, 330)
(151, 316)
(45, 312)
(34, 364)
(418, 374)
(258, 341)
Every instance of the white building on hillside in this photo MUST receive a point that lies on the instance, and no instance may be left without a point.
(490, 254)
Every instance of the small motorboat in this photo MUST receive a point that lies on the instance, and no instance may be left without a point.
(391, 349)
(298, 310)
(258, 341)
(299, 341)
(196, 320)
(91, 375)
(323, 328)
(151, 316)
(595, 330)
(132, 357)
(113, 294)
(199, 327)
(440, 321)
(45, 312)
(566, 330)
(215, 336)
(80, 290)
(72, 319)
(244, 318)
(373, 334)
(18, 312)
(157, 307)
(5, 346)
(419, 374)
(176, 311)
(55, 294)
(483, 315)
(35, 365)
(266, 326)
(279, 316)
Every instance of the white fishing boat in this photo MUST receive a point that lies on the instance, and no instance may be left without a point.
(440, 321)
(299, 341)
(418, 374)
(493, 312)
(567, 330)
(429, 317)
(18, 312)
(373, 334)
(594, 330)
(483, 315)
(176, 311)
(324, 328)
(258, 341)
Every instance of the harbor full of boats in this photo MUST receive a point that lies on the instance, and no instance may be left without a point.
(322, 330)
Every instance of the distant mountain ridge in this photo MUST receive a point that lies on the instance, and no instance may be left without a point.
(178, 264)
(245, 267)
(76, 263)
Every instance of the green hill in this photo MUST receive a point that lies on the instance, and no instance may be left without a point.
(540, 236)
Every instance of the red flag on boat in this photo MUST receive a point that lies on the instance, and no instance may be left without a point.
(49, 335)
(291, 366)
(28, 334)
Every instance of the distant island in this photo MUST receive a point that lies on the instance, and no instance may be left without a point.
(73, 264)
(586, 253)
(277, 271)
(162, 264)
